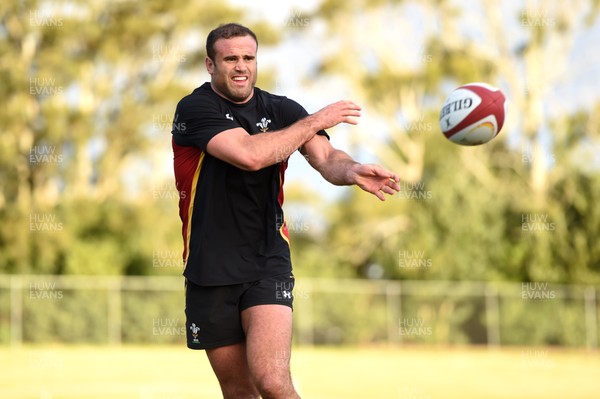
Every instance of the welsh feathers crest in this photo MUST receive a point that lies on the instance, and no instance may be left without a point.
(264, 124)
(195, 330)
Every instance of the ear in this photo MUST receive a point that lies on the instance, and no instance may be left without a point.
(210, 66)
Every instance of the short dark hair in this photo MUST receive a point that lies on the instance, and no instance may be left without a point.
(226, 31)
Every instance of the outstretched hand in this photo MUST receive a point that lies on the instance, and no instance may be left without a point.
(336, 113)
(375, 180)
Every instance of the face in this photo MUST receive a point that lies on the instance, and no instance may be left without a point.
(233, 71)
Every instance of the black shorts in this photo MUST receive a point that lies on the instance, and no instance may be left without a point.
(213, 314)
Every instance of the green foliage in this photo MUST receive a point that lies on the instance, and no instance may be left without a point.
(543, 322)
(87, 189)
(356, 318)
(520, 208)
(5, 321)
(154, 317)
(327, 312)
(57, 315)
(89, 95)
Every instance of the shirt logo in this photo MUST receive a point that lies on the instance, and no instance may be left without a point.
(264, 124)
(229, 117)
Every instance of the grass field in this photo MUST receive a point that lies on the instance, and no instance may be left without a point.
(169, 372)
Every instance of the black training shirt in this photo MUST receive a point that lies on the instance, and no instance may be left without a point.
(233, 228)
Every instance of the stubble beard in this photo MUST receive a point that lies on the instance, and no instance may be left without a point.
(234, 94)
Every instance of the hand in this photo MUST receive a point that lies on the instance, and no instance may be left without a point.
(375, 180)
(336, 113)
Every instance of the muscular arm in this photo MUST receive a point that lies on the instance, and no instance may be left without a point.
(334, 165)
(340, 169)
(254, 152)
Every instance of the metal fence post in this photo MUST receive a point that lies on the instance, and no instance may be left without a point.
(304, 298)
(393, 301)
(16, 310)
(492, 316)
(591, 321)
(113, 291)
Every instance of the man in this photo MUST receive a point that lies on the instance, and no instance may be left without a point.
(231, 142)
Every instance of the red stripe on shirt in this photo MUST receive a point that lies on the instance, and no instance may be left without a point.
(187, 163)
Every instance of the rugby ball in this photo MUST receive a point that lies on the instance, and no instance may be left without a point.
(473, 114)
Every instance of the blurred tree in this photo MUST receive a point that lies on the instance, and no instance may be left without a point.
(90, 89)
(499, 211)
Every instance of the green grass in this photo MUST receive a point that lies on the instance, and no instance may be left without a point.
(173, 372)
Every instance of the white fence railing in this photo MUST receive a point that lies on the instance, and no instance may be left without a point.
(114, 310)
